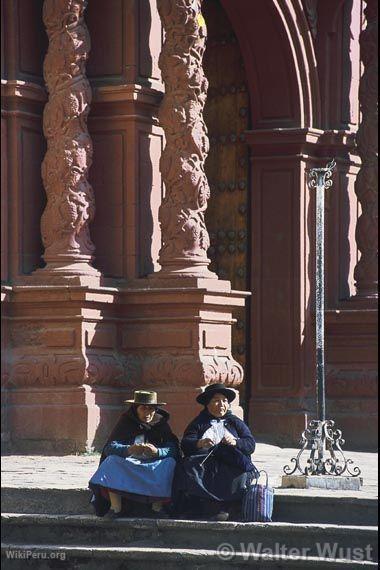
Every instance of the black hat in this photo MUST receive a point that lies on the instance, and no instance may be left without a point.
(145, 397)
(213, 389)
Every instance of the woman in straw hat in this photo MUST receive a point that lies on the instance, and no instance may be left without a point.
(217, 468)
(138, 459)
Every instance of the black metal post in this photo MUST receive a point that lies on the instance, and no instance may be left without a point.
(320, 174)
(321, 437)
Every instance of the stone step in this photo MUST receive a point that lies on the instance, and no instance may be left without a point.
(144, 557)
(93, 531)
(289, 506)
(329, 508)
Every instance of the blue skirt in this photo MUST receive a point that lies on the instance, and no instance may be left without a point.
(136, 476)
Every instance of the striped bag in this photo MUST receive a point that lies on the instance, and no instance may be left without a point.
(258, 502)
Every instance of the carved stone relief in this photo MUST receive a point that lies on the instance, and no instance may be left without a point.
(106, 369)
(74, 369)
(70, 199)
(48, 370)
(185, 239)
(176, 369)
(222, 369)
(366, 187)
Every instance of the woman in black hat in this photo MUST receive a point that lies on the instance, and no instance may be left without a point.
(217, 467)
(138, 459)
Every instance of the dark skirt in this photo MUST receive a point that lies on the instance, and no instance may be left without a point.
(215, 480)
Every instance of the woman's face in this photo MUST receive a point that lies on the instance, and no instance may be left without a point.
(145, 413)
(218, 405)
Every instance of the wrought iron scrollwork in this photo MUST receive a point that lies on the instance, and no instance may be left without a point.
(324, 442)
(322, 176)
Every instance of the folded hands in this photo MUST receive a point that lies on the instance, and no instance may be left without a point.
(142, 449)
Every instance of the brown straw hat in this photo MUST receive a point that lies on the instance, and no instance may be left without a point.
(145, 398)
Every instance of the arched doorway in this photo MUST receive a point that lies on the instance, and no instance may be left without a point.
(262, 112)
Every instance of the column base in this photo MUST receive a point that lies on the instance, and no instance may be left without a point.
(184, 268)
(184, 273)
(78, 352)
(80, 273)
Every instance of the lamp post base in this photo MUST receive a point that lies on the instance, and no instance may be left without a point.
(326, 458)
(327, 482)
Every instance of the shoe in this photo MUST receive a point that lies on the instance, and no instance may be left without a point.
(160, 514)
(221, 517)
(111, 515)
(158, 510)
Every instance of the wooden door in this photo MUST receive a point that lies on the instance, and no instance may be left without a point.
(227, 167)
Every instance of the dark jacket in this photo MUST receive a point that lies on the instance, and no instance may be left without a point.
(222, 473)
(129, 426)
(194, 432)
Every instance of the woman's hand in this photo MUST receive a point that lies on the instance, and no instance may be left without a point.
(205, 443)
(139, 449)
(229, 440)
(136, 450)
(150, 450)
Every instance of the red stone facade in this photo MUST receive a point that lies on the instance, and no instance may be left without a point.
(128, 254)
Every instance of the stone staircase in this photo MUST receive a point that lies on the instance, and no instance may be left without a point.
(322, 531)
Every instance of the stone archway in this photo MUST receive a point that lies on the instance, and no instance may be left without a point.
(279, 48)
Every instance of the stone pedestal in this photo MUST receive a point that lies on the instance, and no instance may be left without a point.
(177, 340)
(327, 482)
(75, 353)
(64, 375)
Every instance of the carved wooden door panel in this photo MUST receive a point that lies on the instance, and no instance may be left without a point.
(227, 167)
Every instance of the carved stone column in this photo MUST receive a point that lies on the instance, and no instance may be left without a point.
(366, 187)
(70, 200)
(185, 239)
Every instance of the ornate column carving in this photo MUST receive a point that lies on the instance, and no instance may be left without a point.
(185, 239)
(70, 200)
(366, 187)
